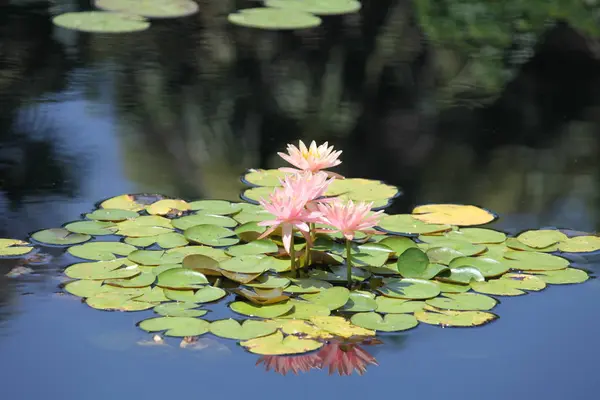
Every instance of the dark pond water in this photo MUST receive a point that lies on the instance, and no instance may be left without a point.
(471, 103)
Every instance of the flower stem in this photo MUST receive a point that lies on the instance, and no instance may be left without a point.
(293, 255)
(307, 254)
(217, 282)
(349, 261)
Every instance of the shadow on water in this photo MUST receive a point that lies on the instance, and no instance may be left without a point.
(499, 111)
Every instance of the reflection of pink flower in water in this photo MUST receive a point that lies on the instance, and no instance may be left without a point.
(345, 358)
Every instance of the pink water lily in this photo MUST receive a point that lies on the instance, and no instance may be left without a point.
(289, 209)
(349, 218)
(314, 158)
(308, 185)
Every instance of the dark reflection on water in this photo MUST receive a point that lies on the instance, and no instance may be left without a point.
(453, 102)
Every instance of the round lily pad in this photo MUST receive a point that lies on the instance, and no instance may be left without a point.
(276, 345)
(155, 295)
(360, 301)
(101, 270)
(463, 302)
(388, 323)
(515, 244)
(453, 214)
(177, 309)
(307, 286)
(317, 7)
(332, 298)
(115, 301)
(398, 244)
(13, 248)
(302, 328)
(153, 257)
(101, 251)
(405, 224)
(101, 22)
(249, 329)
(534, 261)
(341, 327)
(442, 255)
(215, 207)
(462, 275)
(412, 289)
(390, 305)
(211, 235)
(412, 263)
(447, 287)
(580, 244)
(168, 240)
(86, 287)
(209, 294)
(167, 206)
(252, 213)
(339, 274)
(477, 235)
(270, 282)
(360, 189)
(112, 215)
(189, 221)
(266, 311)
(563, 276)
(305, 310)
(448, 318)
(264, 177)
(273, 18)
(181, 278)
(244, 264)
(462, 246)
(513, 285)
(92, 227)
(541, 238)
(59, 236)
(182, 252)
(263, 246)
(525, 281)
(142, 280)
(488, 267)
(176, 326)
(123, 201)
(150, 8)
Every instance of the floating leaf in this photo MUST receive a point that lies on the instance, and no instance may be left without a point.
(182, 252)
(145, 226)
(317, 7)
(153, 257)
(306, 310)
(406, 224)
(525, 281)
(262, 311)
(138, 281)
(370, 255)
(387, 269)
(580, 244)
(92, 227)
(270, 282)
(339, 274)
(412, 263)
(391, 305)
(265, 177)
(413, 289)
(534, 261)
(359, 189)
(398, 244)
(452, 214)
(101, 251)
(447, 287)
(262, 296)
(215, 207)
(273, 18)
(60, 237)
(332, 298)
(240, 277)
(252, 213)
(101, 270)
(339, 326)
(116, 301)
(513, 285)
(463, 302)
(211, 235)
(85, 288)
(563, 276)
(166, 206)
(541, 238)
(124, 201)
(101, 22)
(156, 295)
(209, 294)
(263, 246)
(13, 247)
(166, 240)
(389, 323)
(204, 264)
(447, 318)
(302, 328)
(249, 231)
(360, 301)
(515, 244)
(488, 267)
(189, 221)
(177, 309)
(442, 255)
(308, 286)
(181, 278)
(276, 345)
(176, 326)
(464, 247)
(150, 8)
(249, 329)
(112, 215)
(477, 235)
(244, 264)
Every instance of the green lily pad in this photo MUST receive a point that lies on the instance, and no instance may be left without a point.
(123, 201)
(308, 286)
(563, 276)
(515, 244)
(204, 264)
(101, 22)
(85, 287)
(462, 275)
(406, 224)
(157, 269)
(209, 294)
(101, 251)
(211, 235)
(145, 226)
(463, 302)
(488, 267)
(112, 215)
(453, 214)
(580, 244)
(447, 287)
(477, 235)
(244, 264)
(249, 329)
(541, 238)
(509, 286)
(534, 261)
(443, 255)
(398, 244)
(155, 295)
(138, 281)
(317, 7)
(370, 255)
(305, 310)
(275, 264)
(101, 270)
(389, 323)
(525, 281)
(276, 345)
(13, 248)
(256, 310)
(270, 282)
(360, 301)
(273, 18)
(176, 326)
(339, 274)
(180, 295)
(181, 278)
(249, 231)
(60, 237)
(263, 246)
(182, 252)
(168, 207)
(150, 8)
(265, 177)
(359, 189)
(153, 257)
(189, 221)
(168, 240)
(387, 269)
(215, 207)
(390, 305)
(448, 318)
(177, 309)
(97, 228)
(464, 247)
(332, 298)
(116, 302)
(252, 213)
(410, 289)
(341, 327)
(412, 263)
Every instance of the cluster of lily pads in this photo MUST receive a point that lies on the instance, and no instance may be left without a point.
(180, 258)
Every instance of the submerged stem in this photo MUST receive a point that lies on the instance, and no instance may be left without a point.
(349, 261)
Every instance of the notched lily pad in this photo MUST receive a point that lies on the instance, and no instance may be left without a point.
(388, 323)
(276, 345)
(249, 329)
(97, 228)
(449, 318)
(273, 18)
(266, 311)
(101, 22)
(112, 215)
(211, 235)
(563, 276)
(177, 309)
(181, 278)
(101, 251)
(405, 224)
(14, 248)
(463, 302)
(176, 326)
(453, 214)
(59, 237)
(409, 289)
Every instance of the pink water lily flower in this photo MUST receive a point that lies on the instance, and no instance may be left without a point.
(308, 185)
(349, 218)
(312, 158)
(289, 209)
